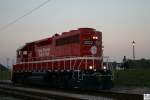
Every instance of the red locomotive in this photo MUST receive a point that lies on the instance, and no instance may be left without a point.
(72, 59)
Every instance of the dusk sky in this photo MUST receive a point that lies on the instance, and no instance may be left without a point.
(120, 21)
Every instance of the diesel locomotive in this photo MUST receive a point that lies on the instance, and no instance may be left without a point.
(72, 59)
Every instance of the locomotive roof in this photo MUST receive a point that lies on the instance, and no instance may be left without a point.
(56, 36)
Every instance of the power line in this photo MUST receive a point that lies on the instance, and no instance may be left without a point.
(26, 14)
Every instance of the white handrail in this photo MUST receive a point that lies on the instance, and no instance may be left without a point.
(63, 59)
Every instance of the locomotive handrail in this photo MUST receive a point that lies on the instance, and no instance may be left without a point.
(45, 58)
(61, 59)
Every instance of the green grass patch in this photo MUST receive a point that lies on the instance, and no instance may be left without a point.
(5, 74)
(132, 77)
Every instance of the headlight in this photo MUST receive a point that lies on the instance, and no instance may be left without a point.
(104, 67)
(95, 37)
(90, 67)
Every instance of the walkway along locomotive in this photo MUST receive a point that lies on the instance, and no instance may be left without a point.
(70, 60)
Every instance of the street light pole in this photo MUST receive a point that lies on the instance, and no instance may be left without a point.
(133, 44)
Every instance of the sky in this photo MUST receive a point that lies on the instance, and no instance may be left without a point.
(120, 21)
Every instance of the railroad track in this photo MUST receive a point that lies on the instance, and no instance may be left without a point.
(40, 94)
(32, 94)
(45, 94)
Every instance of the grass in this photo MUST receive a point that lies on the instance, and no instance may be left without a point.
(5, 75)
(132, 77)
